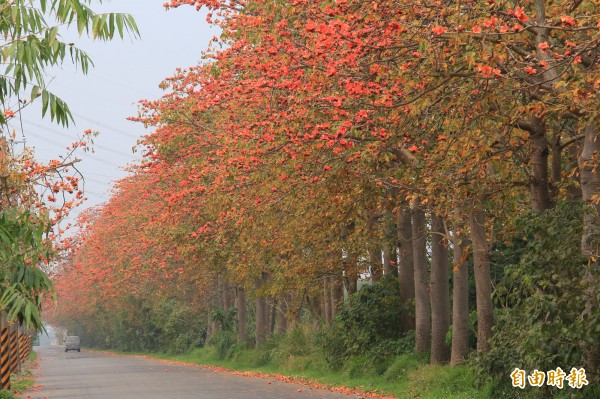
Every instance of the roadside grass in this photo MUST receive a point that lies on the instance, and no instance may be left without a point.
(406, 376)
(24, 379)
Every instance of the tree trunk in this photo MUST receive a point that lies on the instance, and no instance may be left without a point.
(422, 305)
(394, 258)
(387, 257)
(242, 315)
(590, 186)
(376, 265)
(390, 265)
(272, 304)
(574, 193)
(350, 275)
(483, 281)
(294, 309)
(227, 300)
(316, 310)
(439, 291)
(326, 301)
(556, 169)
(374, 248)
(282, 315)
(407, 272)
(337, 294)
(214, 303)
(538, 157)
(460, 302)
(210, 328)
(261, 313)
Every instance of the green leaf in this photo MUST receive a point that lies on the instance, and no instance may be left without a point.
(33, 44)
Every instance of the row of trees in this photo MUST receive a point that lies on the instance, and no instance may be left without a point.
(326, 142)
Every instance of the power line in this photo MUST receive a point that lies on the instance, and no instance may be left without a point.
(89, 179)
(54, 143)
(90, 155)
(107, 126)
(95, 193)
(101, 175)
(117, 152)
(85, 178)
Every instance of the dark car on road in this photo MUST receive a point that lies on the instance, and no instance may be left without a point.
(73, 343)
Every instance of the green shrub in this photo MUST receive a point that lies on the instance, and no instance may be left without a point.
(456, 381)
(300, 341)
(234, 350)
(263, 358)
(543, 320)
(223, 341)
(182, 344)
(6, 395)
(359, 366)
(591, 392)
(369, 324)
(227, 319)
(401, 366)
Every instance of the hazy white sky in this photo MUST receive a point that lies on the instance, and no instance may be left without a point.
(125, 72)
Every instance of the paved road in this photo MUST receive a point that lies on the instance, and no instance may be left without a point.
(93, 375)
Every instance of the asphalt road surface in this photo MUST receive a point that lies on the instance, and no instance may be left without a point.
(94, 375)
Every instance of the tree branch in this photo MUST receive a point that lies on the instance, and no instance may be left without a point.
(571, 141)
